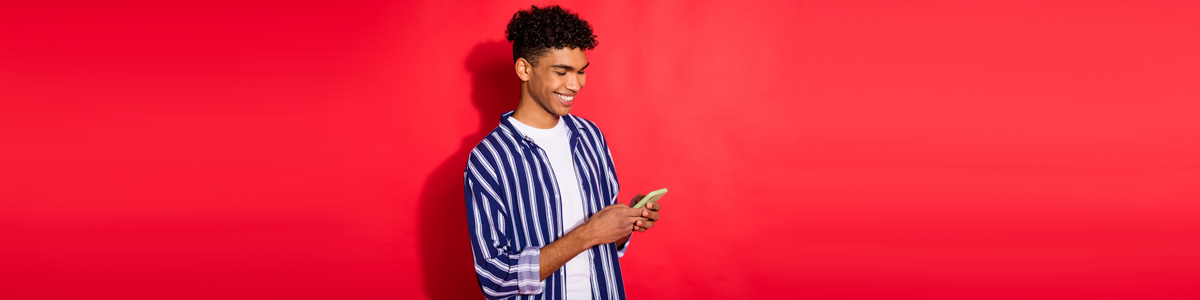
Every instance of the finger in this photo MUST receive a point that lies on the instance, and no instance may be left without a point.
(652, 216)
(618, 205)
(639, 229)
(632, 212)
(647, 224)
(649, 214)
(654, 206)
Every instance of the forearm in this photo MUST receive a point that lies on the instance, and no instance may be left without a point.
(557, 253)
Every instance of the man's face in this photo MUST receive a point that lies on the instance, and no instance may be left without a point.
(557, 79)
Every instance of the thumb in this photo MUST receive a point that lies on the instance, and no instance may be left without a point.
(635, 199)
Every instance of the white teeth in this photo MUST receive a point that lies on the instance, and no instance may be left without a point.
(564, 97)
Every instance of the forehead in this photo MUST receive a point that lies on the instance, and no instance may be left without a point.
(576, 58)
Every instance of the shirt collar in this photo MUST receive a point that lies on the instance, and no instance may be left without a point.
(573, 129)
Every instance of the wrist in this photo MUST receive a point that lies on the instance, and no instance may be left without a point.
(583, 236)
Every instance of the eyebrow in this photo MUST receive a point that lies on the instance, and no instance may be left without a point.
(570, 68)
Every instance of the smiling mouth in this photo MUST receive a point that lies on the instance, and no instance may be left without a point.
(564, 99)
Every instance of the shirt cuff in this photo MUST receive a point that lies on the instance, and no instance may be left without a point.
(621, 251)
(529, 281)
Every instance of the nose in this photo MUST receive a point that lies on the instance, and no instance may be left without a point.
(573, 83)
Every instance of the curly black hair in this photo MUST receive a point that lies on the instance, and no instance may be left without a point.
(535, 31)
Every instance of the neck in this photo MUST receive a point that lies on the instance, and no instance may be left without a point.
(532, 114)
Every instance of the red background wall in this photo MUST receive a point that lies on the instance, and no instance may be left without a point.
(814, 150)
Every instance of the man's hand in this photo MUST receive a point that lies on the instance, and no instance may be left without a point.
(613, 223)
(649, 212)
(608, 225)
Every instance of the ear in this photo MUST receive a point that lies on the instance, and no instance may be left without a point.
(524, 69)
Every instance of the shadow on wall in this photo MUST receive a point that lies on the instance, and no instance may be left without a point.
(446, 260)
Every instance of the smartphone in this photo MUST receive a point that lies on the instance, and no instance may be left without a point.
(651, 197)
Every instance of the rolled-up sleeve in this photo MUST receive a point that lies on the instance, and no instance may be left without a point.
(502, 272)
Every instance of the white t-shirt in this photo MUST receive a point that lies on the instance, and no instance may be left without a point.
(556, 142)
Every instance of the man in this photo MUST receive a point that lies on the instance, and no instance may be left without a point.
(541, 189)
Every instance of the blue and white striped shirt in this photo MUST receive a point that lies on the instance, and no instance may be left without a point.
(514, 209)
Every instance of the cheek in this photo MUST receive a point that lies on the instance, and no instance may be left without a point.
(549, 83)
